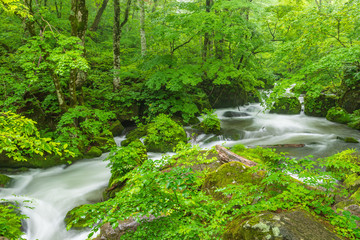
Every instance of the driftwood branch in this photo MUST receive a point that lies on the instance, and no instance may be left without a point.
(228, 156)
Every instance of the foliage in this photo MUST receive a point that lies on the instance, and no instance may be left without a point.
(210, 123)
(80, 126)
(124, 159)
(339, 115)
(10, 221)
(19, 138)
(163, 134)
(343, 163)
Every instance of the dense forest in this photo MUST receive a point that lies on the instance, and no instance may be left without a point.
(75, 74)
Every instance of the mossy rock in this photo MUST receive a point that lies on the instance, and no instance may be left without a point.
(352, 181)
(104, 143)
(225, 96)
(339, 115)
(350, 140)
(93, 152)
(356, 196)
(286, 105)
(355, 124)
(229, 173)
(79, 212)
(116, 128)
(4, 180)
(320, 105)
(296, 224)
(163, 134)
(351, 100)
(135, 134)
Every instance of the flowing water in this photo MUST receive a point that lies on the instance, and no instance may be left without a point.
(55, 191)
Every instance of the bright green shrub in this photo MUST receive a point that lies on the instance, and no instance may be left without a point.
(10, 221)
(210, 123)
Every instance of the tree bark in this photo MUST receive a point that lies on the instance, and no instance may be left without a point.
(142, 28)
(228, 156)
(116, 39)
(98, 16)
(206, 35)
(78, 19)
(59, 93)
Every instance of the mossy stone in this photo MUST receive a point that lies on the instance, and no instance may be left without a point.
(352, 181)
(350, 140)
(320, 105)
(229, 173)
(296, 224)
(93, 152)
(104, 143)
(4, 180)
(135, 134)
(339, 115)
(116, 128)
(286, 105)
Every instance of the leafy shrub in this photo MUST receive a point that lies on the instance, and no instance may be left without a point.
(80, 126)
(10, 221)
(163, 134)
(343, 164)
(210, 123)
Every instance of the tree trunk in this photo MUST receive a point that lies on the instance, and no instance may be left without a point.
(98, 16)
(142, 27)
(78, 20)
(116, 39)
(59, 93)
(228, 156)
(206, 35)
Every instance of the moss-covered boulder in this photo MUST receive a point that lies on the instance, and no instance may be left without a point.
(286, 105)
(163, 134)
(93, 152)
(280, 226)
(229, 173)
(339, 115)
(352, 181)
(351, 100)
(350, 140)
(104, 143)
(320, 105)
(228, 96)
(135, 134)
(4, 180)
(116, 128)
(81, 214)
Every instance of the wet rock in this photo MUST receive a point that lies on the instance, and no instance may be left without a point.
(350, 140)
(116, 128)
(104, 143)
(80, 213)
(228, 96)
(294, 225)
(351, 100)
(319, 106)
(286, 105)
(4, 180)
(235, 114)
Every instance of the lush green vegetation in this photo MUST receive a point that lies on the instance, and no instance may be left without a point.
(70, 71)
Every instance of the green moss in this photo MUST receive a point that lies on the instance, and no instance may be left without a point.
(135, 134)
(339, 115)
(93, 152)
(4, 180)
(286, 105)
(116, 128)
(229, 173)
(352, 181)
(356, 196)
(319, 106)
(104, 143)
(350, 140)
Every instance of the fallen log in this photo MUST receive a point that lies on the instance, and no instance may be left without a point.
(290, 145)
(226, 156)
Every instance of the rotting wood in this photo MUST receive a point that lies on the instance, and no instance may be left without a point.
(228, 156)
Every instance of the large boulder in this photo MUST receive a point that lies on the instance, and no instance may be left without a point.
(229, 173)
(294, 225)
(320, 105)
(286, 105)
(228, 96)
(339, 115)
(116, 128)
(351, 100)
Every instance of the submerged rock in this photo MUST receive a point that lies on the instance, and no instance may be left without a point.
(286, 105)
(294, 225)
(116, 128)
(235, 114)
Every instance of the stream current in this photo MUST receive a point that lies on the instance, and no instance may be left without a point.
(53, 192)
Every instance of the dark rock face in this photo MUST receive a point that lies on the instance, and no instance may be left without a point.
(319, 106)
(294, 225)
(228, 96)
(286, 105)
(351, 100)
(235, 114)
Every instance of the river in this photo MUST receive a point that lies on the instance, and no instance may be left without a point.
(55, 191)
